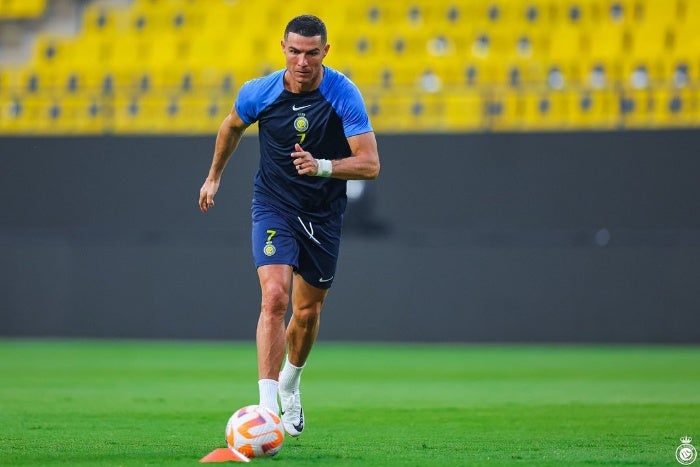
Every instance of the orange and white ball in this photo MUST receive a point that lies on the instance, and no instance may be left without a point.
(255, 431)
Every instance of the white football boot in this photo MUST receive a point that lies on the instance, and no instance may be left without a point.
(292, 413)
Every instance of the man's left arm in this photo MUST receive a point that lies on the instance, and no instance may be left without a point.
(362, 164)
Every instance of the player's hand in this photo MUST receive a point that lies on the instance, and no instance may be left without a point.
(206, 194)
(304, 162)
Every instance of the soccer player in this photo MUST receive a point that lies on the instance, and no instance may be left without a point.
(314, 135)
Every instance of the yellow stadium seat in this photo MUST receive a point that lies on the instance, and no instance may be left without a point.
(22, 9)
(689, 13)
(174, 115)
(610, 12)
(544, 110)
(683, 71)
(608, 42)
(205, 52)
(686, 42)
(144, 115)
(132, 51)
(363, 44)
(170, 48)
(217, 82)
(464, 111)
(102, 19)
(11, 114)
(536, 14)
(223, 17)
(676, 107)
(650, 41)
(377, 13)
(126, 114)
(424, 112)
(650, 47)
(567, 48)
(624, 12)
(523, 58)
(567, 42)
(593, 109)
(36, 114)
(13, 80)
(399, 75)
(49, 49)
(660, 12)
(505, 110)
(577, 13)
(450, 73)
(400, 112)
(361, 73)
(147, 18)
(444, 17)
(75, 114)
(493, 15)
(637, 108)
(200, 114)
(491, 71)
(94, 52)
(27, 81)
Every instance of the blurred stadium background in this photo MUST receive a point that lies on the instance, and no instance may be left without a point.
(173, 66)
(540, 168)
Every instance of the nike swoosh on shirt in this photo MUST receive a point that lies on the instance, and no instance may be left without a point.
(321, 279)
(295, 108)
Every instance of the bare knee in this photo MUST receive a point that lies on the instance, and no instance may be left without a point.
(307, 316)
(275, 300)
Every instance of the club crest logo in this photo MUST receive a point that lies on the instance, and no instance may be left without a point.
(301, 124)
(686, 453)
(269, 249)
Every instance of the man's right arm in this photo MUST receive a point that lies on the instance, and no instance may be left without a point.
(227, 139)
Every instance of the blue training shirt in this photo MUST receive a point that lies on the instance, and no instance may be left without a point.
(320, 121)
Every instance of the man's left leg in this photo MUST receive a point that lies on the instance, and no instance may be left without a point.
(302, 330)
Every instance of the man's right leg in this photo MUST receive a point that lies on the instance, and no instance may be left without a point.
(275, 283)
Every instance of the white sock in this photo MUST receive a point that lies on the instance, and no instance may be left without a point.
(268, 394)
(290, 376)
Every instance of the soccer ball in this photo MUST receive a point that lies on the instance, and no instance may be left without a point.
(255, 431)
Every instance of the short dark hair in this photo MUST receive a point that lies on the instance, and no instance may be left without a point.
(307, 26)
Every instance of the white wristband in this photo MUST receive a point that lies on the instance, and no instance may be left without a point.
(325, 168)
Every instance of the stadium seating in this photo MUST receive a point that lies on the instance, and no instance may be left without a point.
(21, 9)
(174, 66)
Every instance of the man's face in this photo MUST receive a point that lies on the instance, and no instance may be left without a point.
(304, 57)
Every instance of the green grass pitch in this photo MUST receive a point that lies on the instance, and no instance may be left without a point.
(137, 403)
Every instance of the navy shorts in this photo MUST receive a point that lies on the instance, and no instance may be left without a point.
(311, 248)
